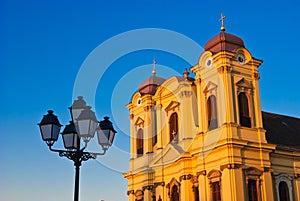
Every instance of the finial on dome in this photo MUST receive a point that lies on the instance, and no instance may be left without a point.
(186, 74)
(222, 20)
(154, 67)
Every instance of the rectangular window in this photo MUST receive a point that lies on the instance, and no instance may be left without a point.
(216, 194)
(252, 190)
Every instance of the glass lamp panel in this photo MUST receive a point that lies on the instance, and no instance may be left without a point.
(70, 140)
(75, 113)
(111, 137)
(92, 128)
(103, 136)
(55, 132)
(46, 131)
(83, 127)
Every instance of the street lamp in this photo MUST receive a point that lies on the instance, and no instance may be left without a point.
(83, 126)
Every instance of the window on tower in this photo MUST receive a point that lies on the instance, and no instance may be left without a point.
(216, 193)
(173, 124)
(212, 118)
(244, 110)
(252, 190)
(140, 143)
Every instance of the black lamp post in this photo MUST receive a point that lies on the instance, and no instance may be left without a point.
(83, 126)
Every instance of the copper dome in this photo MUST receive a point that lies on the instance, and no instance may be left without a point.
(150, 85)
(224, 42)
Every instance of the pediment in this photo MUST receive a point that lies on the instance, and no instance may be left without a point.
(139, 122)
(170, 154)
(210, 86)
(172, 105)
(244, 83)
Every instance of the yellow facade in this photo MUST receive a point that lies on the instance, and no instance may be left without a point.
(204, 138)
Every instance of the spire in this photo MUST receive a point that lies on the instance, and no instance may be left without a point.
(186, 74)
(154, 67)
(222, 20)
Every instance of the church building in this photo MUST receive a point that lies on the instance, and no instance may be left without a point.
(205, 138)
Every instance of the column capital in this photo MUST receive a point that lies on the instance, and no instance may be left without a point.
(203, 172)
(224, 69)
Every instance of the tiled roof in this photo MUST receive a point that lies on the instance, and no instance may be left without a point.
(282, 130)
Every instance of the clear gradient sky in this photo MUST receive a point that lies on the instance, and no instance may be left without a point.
(44, 43)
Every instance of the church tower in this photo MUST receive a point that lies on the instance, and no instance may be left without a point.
(203, 139)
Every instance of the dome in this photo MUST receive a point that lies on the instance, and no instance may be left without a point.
(150, 85)
(224, 42)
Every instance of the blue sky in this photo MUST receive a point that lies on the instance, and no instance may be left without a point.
(44, 44)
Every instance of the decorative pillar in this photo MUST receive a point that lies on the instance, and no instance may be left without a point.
(148, 192)
(297, 186)
(148, 148)
(158, 191)
(257, 105)
(187, 117)
(233, 182)
(158, 109)
(225, 72)
(202, 185)
(186, 187)
(199, 104)
(267, 187)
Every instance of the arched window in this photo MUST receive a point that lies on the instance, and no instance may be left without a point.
(252, 190)
(174, 193)
(140, 142)
(212, 113)
(244, 110)
(173, 127)
(283, 192)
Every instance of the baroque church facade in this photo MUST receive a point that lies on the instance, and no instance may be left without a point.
(206, 138)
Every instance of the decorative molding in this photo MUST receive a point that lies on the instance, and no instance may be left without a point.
(252, 171)
(210, 87)
(139, 194)
(230, 166)
(267, 169)
(185, 177)
(243, 84)
(139, 122)
(161, 183)
(146, 108)
(185, 94)
(158, 107)
(289, 182)
(148, 187)
(131, 116)
(224, 69)
(214, 174)
(256, 76)
(170, 185)
(203, 172)
(130, 192)
(172, 106)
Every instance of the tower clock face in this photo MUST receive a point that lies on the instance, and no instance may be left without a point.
(208, 62)
(241, 59)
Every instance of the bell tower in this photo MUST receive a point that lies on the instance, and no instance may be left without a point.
(227, 84)
(229, 111)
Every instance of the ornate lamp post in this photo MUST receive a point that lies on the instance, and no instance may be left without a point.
(83, 126)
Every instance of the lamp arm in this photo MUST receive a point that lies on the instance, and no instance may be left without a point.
(77, 156)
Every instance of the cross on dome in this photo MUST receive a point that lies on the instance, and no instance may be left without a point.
(222, 20)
